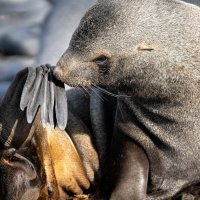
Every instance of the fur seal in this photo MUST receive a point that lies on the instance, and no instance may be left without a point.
(148, 53)
(48, 167)
(63, 164)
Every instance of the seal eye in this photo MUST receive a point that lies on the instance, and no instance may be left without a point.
(102, 62)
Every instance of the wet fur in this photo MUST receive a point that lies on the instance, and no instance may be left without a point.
(154, 57)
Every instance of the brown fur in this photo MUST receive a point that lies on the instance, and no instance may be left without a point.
(59, 161)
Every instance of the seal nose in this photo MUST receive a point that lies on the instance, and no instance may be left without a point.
(57, 72)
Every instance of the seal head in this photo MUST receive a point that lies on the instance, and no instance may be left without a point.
(127, 43)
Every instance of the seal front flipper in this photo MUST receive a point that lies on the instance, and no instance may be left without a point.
(36, 93)
(51, 113)
(46, 96)
(36, 98)
(61, 105)
(43, 90)
(27, 92)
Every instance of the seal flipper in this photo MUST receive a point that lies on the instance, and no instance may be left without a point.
(61, 105)
(27, 90)
(36, 98)
(44, 90)
(51, 100)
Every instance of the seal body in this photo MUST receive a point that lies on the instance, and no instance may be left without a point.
(148, 52)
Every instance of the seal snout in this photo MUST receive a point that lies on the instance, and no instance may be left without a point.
(61, 71)
(58, 73)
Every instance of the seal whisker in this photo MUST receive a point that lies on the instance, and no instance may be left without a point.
(85, 90)
(98, 95)
(110, 93)
(121, 111)
(81, 90)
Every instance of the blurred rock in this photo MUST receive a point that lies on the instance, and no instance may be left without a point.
(22, 6)
(10, 66)
(59, 27)
(20, 23)
(19, 42)
(196, 2)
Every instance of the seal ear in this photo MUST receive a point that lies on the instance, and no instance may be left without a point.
(18, 177)
(25, 165)
(7, 154)
(15, 160)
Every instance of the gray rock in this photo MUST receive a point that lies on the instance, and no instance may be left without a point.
(20, 26)
(23, 6)
(196, 2)
(19, 42)
(10, 66)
